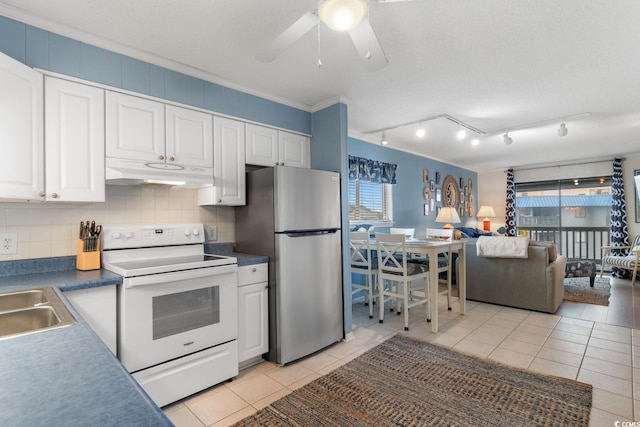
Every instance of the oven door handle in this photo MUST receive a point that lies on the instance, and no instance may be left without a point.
(162, 278)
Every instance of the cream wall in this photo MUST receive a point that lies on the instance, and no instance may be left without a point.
(51, 229)
(492, 187)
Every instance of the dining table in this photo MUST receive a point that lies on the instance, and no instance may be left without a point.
(431, 248)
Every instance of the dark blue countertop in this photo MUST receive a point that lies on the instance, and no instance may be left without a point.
(66, 376)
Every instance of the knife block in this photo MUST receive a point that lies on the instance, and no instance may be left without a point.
(87, 260)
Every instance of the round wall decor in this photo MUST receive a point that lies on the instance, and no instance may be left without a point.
(451, 192)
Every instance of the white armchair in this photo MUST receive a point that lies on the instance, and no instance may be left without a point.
(628, 260)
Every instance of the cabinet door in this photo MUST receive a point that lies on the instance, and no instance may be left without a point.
(189, 137)
(262, 145)
(74, 141)
(21, 131)
(228, 165)
(253, 321)
(134, 128)
(294, 150)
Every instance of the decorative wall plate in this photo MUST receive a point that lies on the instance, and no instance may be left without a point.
(450, 192)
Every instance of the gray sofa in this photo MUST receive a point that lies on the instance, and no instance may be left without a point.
(534, 283)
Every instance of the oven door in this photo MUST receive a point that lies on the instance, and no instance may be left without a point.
(169, 315)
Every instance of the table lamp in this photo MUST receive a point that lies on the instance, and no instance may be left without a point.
(448, 216)
(486, 212)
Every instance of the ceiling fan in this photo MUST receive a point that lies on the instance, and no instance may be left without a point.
(339, 15)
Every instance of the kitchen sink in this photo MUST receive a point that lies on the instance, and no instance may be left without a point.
(31, 311)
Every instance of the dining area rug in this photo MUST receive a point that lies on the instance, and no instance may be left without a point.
(577, 289)
(408, 382)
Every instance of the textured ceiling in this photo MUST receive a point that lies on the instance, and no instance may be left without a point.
(494, 64)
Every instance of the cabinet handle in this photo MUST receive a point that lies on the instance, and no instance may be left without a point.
(54, 195)
(253, 270)
(41, 194)
(219, 200)
(160, 157)
(266, 286)
(171, 159)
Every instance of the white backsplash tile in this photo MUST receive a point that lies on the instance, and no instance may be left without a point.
(51, 229)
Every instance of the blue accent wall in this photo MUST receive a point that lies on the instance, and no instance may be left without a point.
(49, 51)
(408, 206)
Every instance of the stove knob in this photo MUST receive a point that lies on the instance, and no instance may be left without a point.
(128, 234)
(116, 235)
(196, 232)
(187, 232)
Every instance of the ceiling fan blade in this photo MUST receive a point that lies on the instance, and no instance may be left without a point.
(288, 37)
(368, 46)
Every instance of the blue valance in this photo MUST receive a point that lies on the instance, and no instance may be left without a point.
(372, 170)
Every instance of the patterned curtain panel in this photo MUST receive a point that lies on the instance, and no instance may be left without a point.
(619, 230)
(372, 170)
(510, 216)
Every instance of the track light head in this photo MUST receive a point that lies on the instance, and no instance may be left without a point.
(562, 130)
(475, 141)
(461, 133)
(384, 141)
(507, 139)
(421, 132)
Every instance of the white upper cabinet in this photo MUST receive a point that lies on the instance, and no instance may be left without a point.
(21, 131)
(294, 149)
(74, 142)
(134, 128)
(189, 136)
(269, 147)
(142, 129)
(228, 166)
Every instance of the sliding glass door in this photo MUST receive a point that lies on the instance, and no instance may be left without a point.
(575, 214)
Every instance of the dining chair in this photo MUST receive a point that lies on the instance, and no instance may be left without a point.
(363, 263)
(411, 280)
(408, 232)
(444, 260)
(628, 259)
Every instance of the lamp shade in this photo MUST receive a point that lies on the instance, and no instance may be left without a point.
(448, 216)
(486, 211)
(342, 15)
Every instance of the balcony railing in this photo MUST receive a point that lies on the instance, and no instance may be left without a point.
(573, 242)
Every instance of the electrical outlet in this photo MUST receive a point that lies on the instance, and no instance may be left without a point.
(211, 233)
(8, 243)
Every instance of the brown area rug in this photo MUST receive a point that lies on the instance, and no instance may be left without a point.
(407, 382)
(577, 289)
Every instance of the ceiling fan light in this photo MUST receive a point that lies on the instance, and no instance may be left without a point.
(342, 15)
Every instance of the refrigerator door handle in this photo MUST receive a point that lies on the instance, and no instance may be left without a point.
(309, 233)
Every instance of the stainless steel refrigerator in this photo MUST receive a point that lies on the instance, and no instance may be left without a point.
(293, 216)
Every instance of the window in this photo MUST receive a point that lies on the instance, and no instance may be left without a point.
(369, 202)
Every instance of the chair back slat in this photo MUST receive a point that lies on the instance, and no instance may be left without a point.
(408, 232)
(360, 248)
(440, 233)
(392, 253)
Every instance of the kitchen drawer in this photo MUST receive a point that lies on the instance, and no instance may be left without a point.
(254, 273)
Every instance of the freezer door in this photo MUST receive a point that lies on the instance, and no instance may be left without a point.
(308, 294)
(306, 199)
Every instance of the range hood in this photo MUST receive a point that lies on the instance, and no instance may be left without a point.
(140, 172)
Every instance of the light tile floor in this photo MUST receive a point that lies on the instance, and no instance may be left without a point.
(593, 344)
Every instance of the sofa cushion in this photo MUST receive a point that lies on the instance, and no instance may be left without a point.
(552, 249)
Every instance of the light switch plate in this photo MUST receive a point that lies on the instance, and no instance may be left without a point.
(211, 233)
(8, 243)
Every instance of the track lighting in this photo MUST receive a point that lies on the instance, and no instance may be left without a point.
(461, 133)
(562, 130)
(384, 141)
(421, 132)
(507, 139)
(475, 141)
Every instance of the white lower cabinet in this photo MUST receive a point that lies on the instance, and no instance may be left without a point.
(98, 307)
(253, 315)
